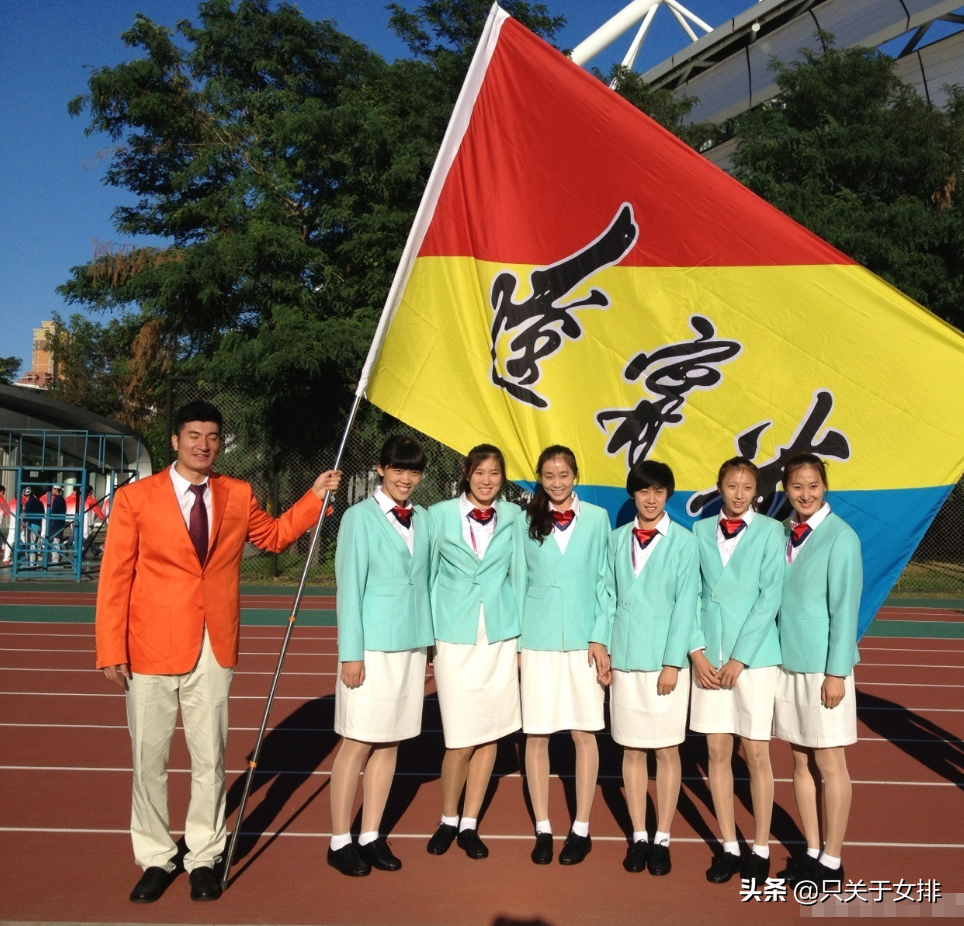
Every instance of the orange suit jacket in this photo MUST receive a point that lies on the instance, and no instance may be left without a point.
(154, 598)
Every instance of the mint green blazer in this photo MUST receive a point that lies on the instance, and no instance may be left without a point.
(739, 602)
(565, 595)
(461, 582)
(821, 598)
(384, 594)
(652, 615)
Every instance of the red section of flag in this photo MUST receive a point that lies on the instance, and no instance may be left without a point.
(551, 154)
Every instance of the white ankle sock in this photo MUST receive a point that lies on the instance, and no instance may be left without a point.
(661, 839)
(640, 836)
(762, 851)
(365, 838)
(469, 823)
(813, 853)
(543, 826)
(340, 841)
(450, 821)
(732, 847)
(829, 861)
(580, 828)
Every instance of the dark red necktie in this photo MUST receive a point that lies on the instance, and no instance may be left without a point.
(563, 518)
(644, 535)
(197, 525)
(799, 533)
(403, 515)
(730, 527)
(482, 515)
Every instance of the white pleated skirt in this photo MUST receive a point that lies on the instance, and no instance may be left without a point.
(387, 706)
(800, 718)
(745, 710)
(642, 719)
(560, 692)
(478, 690)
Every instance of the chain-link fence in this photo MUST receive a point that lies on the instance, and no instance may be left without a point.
(936, 569)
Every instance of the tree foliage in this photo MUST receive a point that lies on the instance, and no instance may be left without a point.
(8, 369)
(861, 159)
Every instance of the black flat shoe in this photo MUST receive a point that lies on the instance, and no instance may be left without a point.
(829, 880)
(470, 843)
(724, 867)
(204, 884)
(348, 861)
(575, 849)
(799, 868)
(443, 837)
(379, 856)
(542, 853)
(636, 856)
(757, 868)
(150, 886)
(659, 862)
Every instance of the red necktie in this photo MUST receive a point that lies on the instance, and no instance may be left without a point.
(563, 518)
(404, 515)
(799, 533)
(482, 515)
(644, 535)
(730, 527)
(197, 525)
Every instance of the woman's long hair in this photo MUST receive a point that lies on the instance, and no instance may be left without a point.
(540, 518)
(477, 456)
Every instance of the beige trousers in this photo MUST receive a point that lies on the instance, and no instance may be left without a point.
(152, 705)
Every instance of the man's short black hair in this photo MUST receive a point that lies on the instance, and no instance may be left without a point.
(650, 474)
(198, 410)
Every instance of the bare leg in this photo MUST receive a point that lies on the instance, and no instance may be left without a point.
(838, 793)
(455, 770)
(480, 771)
(537, 774)
(344, 782)
(669, 774)
(636, 780)
(761, 788)
(587, 772)
(379, 773)
(805, 793)
(720, 748)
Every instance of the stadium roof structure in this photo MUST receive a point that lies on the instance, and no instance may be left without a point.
(729, 69)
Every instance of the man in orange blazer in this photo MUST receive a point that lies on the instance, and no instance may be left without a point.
(168, 616)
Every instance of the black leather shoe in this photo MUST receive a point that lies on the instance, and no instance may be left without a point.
(204, 884)
(379, 856)
(798, 869)
(151, 885)
(542, 853)
(444, 837)
(575, 849)
(470, 843)
(636, 856)
(659, 862)
(756, 868)
(724, 867)
(348, 861)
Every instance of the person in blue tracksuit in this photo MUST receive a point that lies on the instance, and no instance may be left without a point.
(736, 658)
(653, 574)
(564, 632)
(383, 566)
(816, 708)
(477, 593)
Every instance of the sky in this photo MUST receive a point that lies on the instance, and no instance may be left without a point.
(54, 207)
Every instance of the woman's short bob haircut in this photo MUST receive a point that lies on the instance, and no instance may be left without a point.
(402, 453)
(476, 457)
(651, 474)
(799, 461)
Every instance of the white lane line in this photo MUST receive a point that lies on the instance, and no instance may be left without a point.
(88, 650)
(505, 837)
(324, 773)
(237, 672)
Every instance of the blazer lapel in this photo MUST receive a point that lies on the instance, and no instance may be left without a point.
(219, 499)
(379, 516)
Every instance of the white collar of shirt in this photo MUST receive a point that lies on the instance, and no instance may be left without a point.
(662, 525)
(465, 506)
(181, 485)
(640, 557)
(815, 520)
(574, 507)
(185, 497)
(746, 517)
(386, 502)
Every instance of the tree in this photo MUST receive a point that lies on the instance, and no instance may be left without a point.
(8, 369)
(861, 159)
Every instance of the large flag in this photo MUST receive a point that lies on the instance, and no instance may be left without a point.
(578, 275)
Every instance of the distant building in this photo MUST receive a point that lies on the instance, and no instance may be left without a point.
(43, 369)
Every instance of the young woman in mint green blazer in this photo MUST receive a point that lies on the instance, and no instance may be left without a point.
(477, 590)
(653, 573)
(383, 566)
(816, 708)
(564, 635)
(736, 658)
